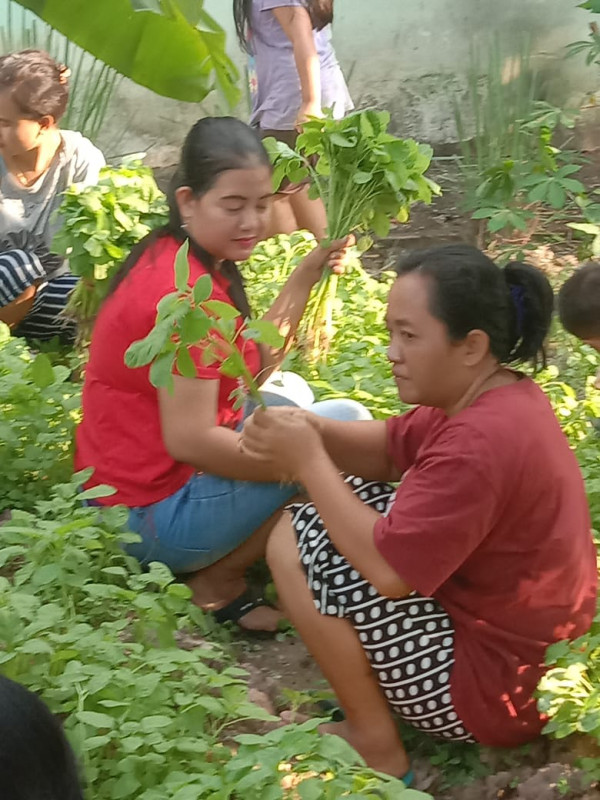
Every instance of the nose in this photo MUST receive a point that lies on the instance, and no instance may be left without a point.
(394, 352)
(250, 220)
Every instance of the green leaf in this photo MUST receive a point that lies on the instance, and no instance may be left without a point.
(265, 332)
(96, 720)
(194, 327)
(202, 289)
(185, 363)
(182, 267)
(97, 491)
(161, 371)
(41, 371)
(221, 310)
(145, 350)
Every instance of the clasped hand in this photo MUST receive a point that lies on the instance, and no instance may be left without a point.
(287, 437)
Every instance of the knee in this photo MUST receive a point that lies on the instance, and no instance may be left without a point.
(282, 552)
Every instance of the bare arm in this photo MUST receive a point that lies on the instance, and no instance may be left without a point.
(358, 448)
(350, 524)
(297, 26)
(191, 436)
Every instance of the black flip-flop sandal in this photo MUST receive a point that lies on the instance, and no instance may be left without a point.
(238, 608)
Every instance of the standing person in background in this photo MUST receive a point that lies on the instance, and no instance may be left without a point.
(38, 162)
(297, 76)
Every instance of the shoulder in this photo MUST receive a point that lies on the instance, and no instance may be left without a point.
(83, 158)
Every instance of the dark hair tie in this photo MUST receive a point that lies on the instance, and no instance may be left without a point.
(517, 295)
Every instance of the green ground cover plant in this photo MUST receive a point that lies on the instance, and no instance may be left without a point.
(100, 640)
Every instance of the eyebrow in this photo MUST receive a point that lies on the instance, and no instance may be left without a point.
(242, 197)
(398, 321)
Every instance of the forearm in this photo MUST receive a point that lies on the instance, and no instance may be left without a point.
(217, 452)
(309, 70)
(358, 448)
(350, 524)
(286, 313)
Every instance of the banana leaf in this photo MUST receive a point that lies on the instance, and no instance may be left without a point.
(173, 47)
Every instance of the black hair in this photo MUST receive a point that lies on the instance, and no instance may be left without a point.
(36, 761)
(469, 292)
(579, 302)
(321, 15)
(213, 146)
(37, 83)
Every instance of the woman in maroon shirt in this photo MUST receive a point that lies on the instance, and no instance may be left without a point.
(438, 601)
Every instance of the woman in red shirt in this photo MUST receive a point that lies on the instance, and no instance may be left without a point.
(200, 505)
(438, 602)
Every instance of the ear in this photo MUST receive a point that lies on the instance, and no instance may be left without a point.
(185, 199)
(476, 346)
(47, 122)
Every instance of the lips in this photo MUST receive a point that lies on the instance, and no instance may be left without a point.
(248, 242)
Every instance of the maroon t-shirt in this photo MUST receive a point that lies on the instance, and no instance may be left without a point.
(491, 519)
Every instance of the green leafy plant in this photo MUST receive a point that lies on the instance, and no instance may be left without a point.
(365, 177)
(149, 704)
(39, 408)
(101, 224)
(187, 318)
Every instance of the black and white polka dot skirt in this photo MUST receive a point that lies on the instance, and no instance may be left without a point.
(409, 642)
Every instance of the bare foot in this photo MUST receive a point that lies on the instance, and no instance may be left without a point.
(382, 756)
(261, 618)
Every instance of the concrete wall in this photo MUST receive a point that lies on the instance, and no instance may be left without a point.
(410, 56)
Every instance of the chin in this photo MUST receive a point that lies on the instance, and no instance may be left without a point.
(408, 395)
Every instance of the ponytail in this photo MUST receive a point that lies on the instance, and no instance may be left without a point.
(532, 303)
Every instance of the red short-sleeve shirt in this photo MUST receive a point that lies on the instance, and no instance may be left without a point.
(491, 519)
(120, 435)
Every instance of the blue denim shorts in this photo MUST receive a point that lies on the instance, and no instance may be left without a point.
(205, 520)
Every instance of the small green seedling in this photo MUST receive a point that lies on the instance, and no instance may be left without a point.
(188, 318)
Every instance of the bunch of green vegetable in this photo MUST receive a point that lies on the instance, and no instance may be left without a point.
(101, 224)
(187, 318)
(365, 176)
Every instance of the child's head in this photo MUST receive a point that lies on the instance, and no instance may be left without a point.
(221, 193)
(579, 304)
(33, 97)
(36, 760)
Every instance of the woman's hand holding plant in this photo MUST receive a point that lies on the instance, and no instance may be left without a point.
(331, 256)
(287, 437)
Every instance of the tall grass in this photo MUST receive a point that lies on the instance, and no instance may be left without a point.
(501, 92)
(91, 84)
